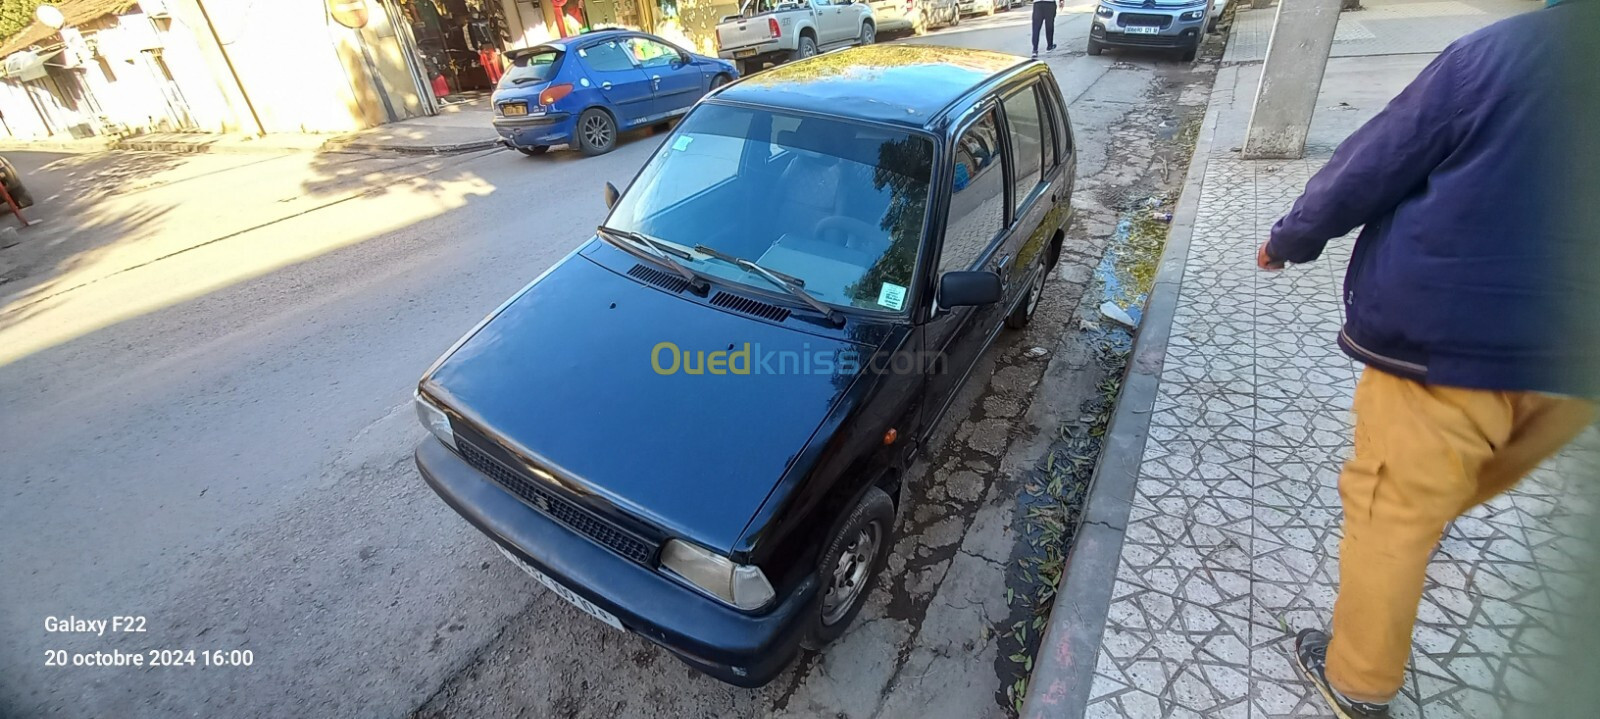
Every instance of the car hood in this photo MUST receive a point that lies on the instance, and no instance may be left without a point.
(564, 375)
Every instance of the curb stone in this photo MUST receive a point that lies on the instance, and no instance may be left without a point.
(1063, 672)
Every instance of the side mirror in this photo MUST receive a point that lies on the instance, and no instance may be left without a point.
(969, 289)
(612, 195)
(684, 58)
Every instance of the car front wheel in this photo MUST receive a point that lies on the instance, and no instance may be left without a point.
(849, 566)
(1095, 47)
(597, 132)
(1023, 314)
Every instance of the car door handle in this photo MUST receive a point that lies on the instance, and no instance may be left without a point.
(1000, 267)
(605, 86)
(655, 81)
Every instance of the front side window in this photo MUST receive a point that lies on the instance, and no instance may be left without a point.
(1026, 121)
(607, 56)
(838, 205)
(977, 196)
(649, 53)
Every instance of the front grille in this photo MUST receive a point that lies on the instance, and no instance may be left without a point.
(558, 508)
(1139, 18)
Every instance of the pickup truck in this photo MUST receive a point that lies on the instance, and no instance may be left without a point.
(776, 31)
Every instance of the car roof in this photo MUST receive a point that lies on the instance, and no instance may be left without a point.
(566, 42)
(908, 85)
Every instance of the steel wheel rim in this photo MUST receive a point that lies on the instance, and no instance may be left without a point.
(868, 35)
(1038, 290)
(596, 131)
(807, 49)
(850, 574)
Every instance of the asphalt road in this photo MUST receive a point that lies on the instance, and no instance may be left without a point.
(205, 421)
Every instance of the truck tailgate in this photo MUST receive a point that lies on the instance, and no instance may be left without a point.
(744, 32)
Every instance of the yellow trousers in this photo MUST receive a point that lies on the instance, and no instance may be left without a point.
(1423, 456)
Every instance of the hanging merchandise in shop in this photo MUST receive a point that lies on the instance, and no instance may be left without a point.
(459, 44)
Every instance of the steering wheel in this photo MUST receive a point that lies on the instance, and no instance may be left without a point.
(850, 228)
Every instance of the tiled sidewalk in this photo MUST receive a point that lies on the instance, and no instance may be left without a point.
(1232, 534)
(1385, 27)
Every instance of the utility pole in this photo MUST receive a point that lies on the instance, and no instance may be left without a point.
(1297, 56)
(255, 118)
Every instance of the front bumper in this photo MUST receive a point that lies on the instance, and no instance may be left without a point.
(746, 650)
(554, 128)
(1172, 31)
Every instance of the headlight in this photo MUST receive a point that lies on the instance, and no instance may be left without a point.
(434, 419)
(1103, 11)
(1192, 15)
(743, 587)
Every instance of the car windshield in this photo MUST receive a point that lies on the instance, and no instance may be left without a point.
(536, 66)
(838, 205)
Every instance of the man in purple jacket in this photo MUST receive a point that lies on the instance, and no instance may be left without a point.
(1457, 300)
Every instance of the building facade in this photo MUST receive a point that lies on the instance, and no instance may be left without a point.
(122, 67)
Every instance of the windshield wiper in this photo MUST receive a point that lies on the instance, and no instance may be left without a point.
(523, 80)
(654, 250)
(792, 285)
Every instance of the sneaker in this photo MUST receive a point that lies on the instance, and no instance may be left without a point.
(1050, 49)
(1035, 54)
(1311, 655)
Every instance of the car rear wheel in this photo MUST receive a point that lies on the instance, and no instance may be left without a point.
(868, 33)
(1023, 314)
(849, 566)
(597, 132)
(806, 48)
(535, 150)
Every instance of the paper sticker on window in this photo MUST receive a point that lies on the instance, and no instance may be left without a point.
(892, 296)
(682, 143)
(582, 52)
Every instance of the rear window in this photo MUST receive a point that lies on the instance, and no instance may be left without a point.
(536, 66)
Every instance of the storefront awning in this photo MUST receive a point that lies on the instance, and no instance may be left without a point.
(26, 64)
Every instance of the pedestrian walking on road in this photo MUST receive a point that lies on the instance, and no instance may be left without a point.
(1456, 300)
(1044, 16)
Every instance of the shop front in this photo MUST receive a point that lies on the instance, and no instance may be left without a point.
(458, 44)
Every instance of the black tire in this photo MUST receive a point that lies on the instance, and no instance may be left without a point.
(719, 81)
(869, 33)
(596, 132)
(1023, 314)
(873, 514)
(806, 48)
(747, 68)
(919, 26)
(534, 151)
(1188, 53)
(1095, 48)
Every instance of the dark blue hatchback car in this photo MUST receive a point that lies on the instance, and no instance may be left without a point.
(581, 91)
(696, 427)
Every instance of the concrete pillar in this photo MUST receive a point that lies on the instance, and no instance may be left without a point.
(1297, 55)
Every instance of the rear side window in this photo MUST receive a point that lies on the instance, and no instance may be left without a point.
(977, 196)
(537, 66)
(1027, 123)
(606, 57)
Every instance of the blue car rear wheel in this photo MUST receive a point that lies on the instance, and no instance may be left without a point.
(597, 132)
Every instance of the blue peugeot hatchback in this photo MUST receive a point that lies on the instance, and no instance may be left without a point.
(583, 90)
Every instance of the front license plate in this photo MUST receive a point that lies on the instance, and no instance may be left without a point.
(514, 109)
(742, 54)
(587, 606)
(1141, 29)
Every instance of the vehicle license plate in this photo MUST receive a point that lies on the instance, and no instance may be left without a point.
(741, 54)
(1141, 29)
(514, 109)
(587, 606)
